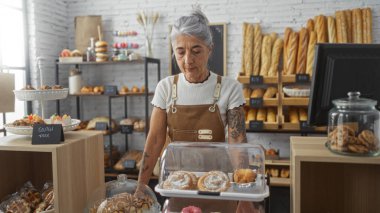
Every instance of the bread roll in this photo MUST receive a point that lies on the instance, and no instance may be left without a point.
(341, 27)
(246, 92)
(348, 19)
(257, 93)
(302, 51)
(262, 115)
(331, 29)
(302, 113)
(311, 53)
(321, 29)
(367, 25)
(244, 27)
(252, 115)
(293, 115)
(275, 60)
(287, 34)
(273, 36)
(257, 42)
(310, 25)
(357, 26)
(271, 115)
(270, 92)
(292, 53)
(248, 52)
(266, 52)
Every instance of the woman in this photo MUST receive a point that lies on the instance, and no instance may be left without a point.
(198, 96)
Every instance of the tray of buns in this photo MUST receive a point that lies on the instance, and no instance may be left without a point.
(44, 93)
(218, 171)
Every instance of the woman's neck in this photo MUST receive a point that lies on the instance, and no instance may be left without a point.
(198, 79)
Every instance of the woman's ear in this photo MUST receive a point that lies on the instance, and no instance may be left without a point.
(210, 48)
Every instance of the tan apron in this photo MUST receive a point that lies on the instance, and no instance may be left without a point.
(198, 123)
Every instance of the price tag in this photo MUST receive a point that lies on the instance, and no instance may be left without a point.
(126, 129)
(129, 164)
(47, 134)
(256, 80)
(101, 126)
(302, 78)
(256, 102)
(304, 127)
(209, 193)
(110, 90)
(256, 125)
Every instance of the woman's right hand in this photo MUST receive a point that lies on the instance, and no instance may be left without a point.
(139, 193)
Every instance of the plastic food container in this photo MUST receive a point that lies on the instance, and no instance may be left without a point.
(354, 126)
(217, 171)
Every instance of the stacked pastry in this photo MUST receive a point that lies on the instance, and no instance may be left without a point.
(297, 114)
(101, 51)
(268, 115)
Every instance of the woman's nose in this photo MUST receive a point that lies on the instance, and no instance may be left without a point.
(188, 58)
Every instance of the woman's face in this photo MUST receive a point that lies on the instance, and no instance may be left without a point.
(192, 55)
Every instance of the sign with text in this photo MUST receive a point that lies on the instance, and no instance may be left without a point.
(256, 102)
(256, 125)
(256, 80)
(110, 90)
(101, 126)
(302, 78)
(47, 134)
(304, 127)
(129, 164)
(126, 129)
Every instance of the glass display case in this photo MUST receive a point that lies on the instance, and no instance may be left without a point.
(216, 171)
(354, 126)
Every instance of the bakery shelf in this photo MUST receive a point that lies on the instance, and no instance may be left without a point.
(99, 63)
(288, 79)
(294, 101)
(266, 126)
(280, 182)
(280, 162)
(266, 101)
(266, 79)
(119, 95)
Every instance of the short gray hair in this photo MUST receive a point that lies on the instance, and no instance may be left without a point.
(195, 24)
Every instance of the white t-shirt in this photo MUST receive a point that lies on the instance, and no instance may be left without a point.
(231, 94)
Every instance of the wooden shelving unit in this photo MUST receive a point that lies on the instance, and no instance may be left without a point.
(266, 79)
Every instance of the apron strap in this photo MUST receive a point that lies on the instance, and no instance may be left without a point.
(217, 90)
(174, 94)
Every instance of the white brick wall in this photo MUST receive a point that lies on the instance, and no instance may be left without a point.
(56, 18)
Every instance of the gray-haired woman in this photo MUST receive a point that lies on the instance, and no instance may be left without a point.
(195, 99)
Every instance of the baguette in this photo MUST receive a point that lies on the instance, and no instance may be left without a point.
(331, 29)
(251, 115)
(248, 51)
(262, 115)
(257, 93)
(293, 115)
(276, 53)
(257, 42)
(273, 36)
(367, 25)
(321, 29)
(242, 69)
(271, 115)
(357, 26)
(287, 34)
(302, 114)
(302, 51)
(311, 53)
(266, 55)
(270, 92)
(292, 53)
(348, 20)
(246, 92)
(341, 27)
(310, 25)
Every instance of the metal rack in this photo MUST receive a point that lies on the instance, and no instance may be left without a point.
(146, 61)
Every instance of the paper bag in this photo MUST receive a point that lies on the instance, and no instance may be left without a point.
(7, 98)
(85, 28)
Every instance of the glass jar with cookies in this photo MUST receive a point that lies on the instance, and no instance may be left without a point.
(354, 126)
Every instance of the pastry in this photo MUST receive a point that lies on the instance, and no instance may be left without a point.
(302, 113)
(45, 87)
(293, 115)
(57, 87)
(276, 53)
(261, 115)
(135, 89)
(191, 209)
(124, 90)
(244, 176)
(292, 48)
(270, 92)
(321, 29)
(310, 25)
(257, 93)
(271, 115)
(368, 139)
(28, 87)
(99, 89)
(65, 120)
(76, 53)
(181, 180)
(124, 202)
(251, 115)
(99, 44)
(274, 172)
(87, 89)
(18, 205)
(287, 34)
(357, 26)
(348, 21)
(257, 44)
(266, 52)
(139, 126)
(214, 181)
(130, 155)
(30, 195)
(92, 123)
(248, 54)
(284, 173)
(244, 28)
(246, 92)
(29, 120)
(331, 29)
(128, 121)
(302, 51)
(142, 89)
(311, 53)
(271, 152)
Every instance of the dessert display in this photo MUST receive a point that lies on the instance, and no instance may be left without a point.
(65, 120)
(130, 155)
(181, 180)
(244, 176)
(29, 120)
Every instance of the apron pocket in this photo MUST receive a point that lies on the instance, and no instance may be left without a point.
(184, 135)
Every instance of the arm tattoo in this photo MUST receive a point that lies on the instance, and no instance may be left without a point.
(236, 124)
(144, 167)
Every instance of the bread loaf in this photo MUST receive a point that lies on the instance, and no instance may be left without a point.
(310, 25)
(257, 93)
(311, 53)
(273, 36)
(275, 60)
(252, 115)
(357, 26)
(271, 115)
(302, 113)
(270, 92)
(248, 52)
(246, 92)
(331, 29)
(261, 115)
(367, 25)
(244, 27)
(348, 20)
(266, 51)
(287, 34)
(341, 27)
(321, 29)
(257, 42)
(302, 51)
(292, 53)
(293, 115)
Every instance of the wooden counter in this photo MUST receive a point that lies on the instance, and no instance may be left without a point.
(76, 168)
(326, 182)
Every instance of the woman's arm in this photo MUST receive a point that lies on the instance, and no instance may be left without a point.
(154, 144)
(236, 125)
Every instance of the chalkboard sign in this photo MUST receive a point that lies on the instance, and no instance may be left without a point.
(217, 62)
(47, 134)
(110, 90)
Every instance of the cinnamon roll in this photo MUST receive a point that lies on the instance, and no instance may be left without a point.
(181, 180)
(214, 181)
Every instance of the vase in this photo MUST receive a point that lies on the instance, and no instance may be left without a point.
(148, 48)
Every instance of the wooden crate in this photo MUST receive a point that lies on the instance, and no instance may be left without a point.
(75, 167)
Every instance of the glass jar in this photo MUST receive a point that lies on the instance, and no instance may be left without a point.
(354, 126)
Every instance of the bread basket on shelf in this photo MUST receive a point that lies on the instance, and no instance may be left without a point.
(28, 130)
(42, 95)
(297, 91)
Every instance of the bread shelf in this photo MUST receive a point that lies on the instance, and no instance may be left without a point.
(288, 79)
(105, 62)
(266, 79)
(266, 126)
(281, 162)
(294, 101)
(119, 95)
(266, 102)
(280, 182)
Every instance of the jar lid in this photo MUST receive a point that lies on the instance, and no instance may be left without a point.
(75, 71)
(354, 100)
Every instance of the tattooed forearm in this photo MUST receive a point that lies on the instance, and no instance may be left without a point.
(236, 125)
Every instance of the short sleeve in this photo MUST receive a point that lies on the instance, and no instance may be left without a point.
(236, 98)
(160, 95)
